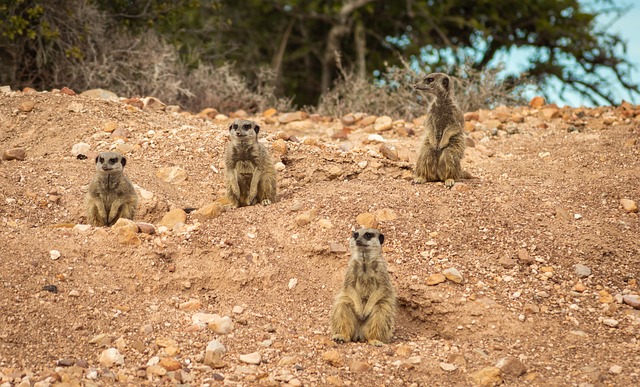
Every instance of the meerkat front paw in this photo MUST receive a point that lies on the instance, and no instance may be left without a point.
(376, 343)
(266, 202)
(449, 183)
(338, 338)
(419, 180)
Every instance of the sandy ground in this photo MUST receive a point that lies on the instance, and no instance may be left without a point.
(547, 197)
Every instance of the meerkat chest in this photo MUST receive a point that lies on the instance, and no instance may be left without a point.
(245, 167)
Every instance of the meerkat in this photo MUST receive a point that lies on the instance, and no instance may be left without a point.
(443, 143)
(365, 308)
(250, 172)
(111, 195)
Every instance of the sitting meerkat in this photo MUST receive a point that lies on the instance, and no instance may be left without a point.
(250, 172)
(443, 143)
(365, 308)
(111, 195)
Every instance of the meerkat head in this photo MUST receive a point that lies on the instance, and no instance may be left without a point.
(110, 162)
(435, 83)
(366, 239)
(244, 130)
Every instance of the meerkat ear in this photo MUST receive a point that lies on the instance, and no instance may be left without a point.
(445, 83)
(123, 161)
(97, 157)
(256, 128)
(230, 126)
(381, 237)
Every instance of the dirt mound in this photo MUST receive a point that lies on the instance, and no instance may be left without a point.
(547, 197)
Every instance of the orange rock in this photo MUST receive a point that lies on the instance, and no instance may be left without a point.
(67, 91)
(536, 102)
(269, 112)
(472, 116)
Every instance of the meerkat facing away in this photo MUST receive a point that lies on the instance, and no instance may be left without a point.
(250, 172)
(365, 308)
(443, 143)
(111, 195)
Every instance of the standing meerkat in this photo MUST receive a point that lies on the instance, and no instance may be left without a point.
(250, 173)
(443, 143)
(111, 195)
(365, 308)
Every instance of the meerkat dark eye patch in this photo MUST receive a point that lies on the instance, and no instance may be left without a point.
(445, 83)
(113, 160)
(429, 80)
(246, 126)
(368, 236)
(355, 235)
(99, 160)
(235, 126)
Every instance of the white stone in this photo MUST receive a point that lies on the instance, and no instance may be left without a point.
(292, 283)
(153, 361)
(448, 366)
(80, 148)
(204, 318)
(615, 370)
(610, 322)
(54, 254)
(238, 309)
(251, 358)
(110, 357)
(215, 346)
(280, 166)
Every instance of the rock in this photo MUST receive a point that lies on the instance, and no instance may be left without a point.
(222, 326)
(153, 104)
(511, 366)
(487, 377)
(493, 124)
(286, 118)
(550, 113)
(173, 217)
(448, 366)
(280, 166)
(472, 116)
(524, 257)
(80, 148)
(348, 119)
(100, 94)
(239, 114)
(210, 211)
(170, 364)
(367, 220)
(27, 106)
(517, 118)
(537, 102)
(333, 357)
(292, 283)
(629, 205)
(385, 214)
(579, 287)
(305, 218)
(610, 322)
(382, 123)
(208, 113)
(435, 279)
(389, 152)
(74, 293)
(172, 174)
(126, 230)
(582, 271)
(251, 358)
(146, 228)
(110, 357)
(358, 366)
(632, 300)
(280, 147)
(14, 154)
(269, 113)
(507, 262)
(605, 297)
(615, 370)
(54, 254)
(403, 350)
(530, 309)
(334, 380)
(191, 305)
(452, 274)
(214, 346)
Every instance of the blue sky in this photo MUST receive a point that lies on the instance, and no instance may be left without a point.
(628, 26)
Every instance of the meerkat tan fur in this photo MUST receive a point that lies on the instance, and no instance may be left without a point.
(111, 195)
(443, 143)
(250, 172)
(365, 308)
